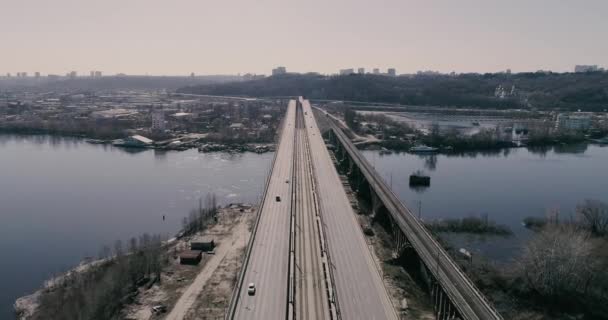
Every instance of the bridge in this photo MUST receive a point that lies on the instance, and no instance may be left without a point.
(453, 293)
(308, 257)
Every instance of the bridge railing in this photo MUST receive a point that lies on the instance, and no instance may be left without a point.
(475, 305)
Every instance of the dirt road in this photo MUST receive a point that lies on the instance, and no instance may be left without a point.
(238, 239)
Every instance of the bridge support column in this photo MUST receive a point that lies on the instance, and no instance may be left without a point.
(376, 203)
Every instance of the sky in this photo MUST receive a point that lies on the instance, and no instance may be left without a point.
(177, 37)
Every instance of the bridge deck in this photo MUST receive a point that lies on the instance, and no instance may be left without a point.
(268, 263)
(359, 286)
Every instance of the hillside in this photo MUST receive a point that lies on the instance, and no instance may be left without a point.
(586, 91)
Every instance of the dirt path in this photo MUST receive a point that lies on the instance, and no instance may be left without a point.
(237, 239)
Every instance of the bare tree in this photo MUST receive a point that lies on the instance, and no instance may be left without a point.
(593, 216)
(558, 262)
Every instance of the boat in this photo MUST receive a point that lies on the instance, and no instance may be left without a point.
(603, 140)
(423, 148)
(419, 178)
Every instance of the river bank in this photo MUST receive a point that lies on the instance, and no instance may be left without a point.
(175, 282)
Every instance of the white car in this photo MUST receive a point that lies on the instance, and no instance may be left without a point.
(251, 289)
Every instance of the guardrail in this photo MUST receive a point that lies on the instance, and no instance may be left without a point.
(471, 303)
(235, 292)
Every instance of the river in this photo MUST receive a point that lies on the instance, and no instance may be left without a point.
(62, 199)
(508, 186)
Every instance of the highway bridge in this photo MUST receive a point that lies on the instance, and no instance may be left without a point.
(308, 257)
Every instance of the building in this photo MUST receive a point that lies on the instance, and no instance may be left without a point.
(344, 72)
(586, 68)
(158, 121)
(361, 71)
(37, 75)
(237, 126)
(575, 121)
(376, 71)
(279, 70)
(137, 141)
(204, 244)
(392, 72)
(192, 257)
(97, 74)
(72, 74)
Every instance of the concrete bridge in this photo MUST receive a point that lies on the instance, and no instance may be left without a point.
(453, 293)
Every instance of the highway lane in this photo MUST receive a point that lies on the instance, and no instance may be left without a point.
(268, 264)
(360, 291)
(311, 294)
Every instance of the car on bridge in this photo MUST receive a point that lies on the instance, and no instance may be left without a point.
(251, 289)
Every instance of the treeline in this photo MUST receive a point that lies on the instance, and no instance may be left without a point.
(569, 91)
(101, 291)
(472, 224)
(70, 127)
(560, 273)
(200, 218)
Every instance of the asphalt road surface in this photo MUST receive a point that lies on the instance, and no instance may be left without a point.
(359, 286)
(269, 257)
(314, 213)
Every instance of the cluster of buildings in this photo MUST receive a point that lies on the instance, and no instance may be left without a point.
(390, 71)
(140, 115)
(278, 71)
(587, 68)
(502, 92)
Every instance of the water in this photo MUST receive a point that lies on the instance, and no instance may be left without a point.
(507, 186)
(61, 199)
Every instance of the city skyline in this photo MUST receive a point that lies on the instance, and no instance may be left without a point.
(158, 38)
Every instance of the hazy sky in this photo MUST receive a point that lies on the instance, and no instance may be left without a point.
(223, 36)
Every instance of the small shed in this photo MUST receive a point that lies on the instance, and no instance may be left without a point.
(203, 244)
(192, 257)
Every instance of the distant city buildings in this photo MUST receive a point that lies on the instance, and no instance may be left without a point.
(376, 71)
(586, 68)
(158, 120)
(71, 74)
(502, 92)
(95, 74)
(361, 71)
(344, 72)
(37, 75)
(279, 70)
(392, 72)
(574, 121)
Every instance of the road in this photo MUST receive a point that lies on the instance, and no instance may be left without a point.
(359, 286)
(309, 258)
(311, 301)
(269, 256)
